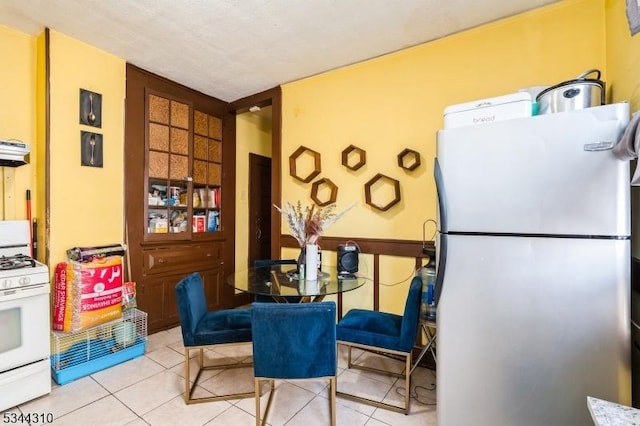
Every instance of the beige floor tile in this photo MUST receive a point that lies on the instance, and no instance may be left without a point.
(233, 416)
(374, 422)
(423, 386)
(161, 339)
(317, 386)
(288, 400)
(166, 357)
(179, 347)
(422, 406)
(241, 351)
(138, 422)
(65, 399)
(176, 331)
(229, 381)
(107, 411)
(176, 412)
(151, 392)
(359, 384)
(316, 413)
(194, 367)
(380, 362)
(420, 415)
(128, 373)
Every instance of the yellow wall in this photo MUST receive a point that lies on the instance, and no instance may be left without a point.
(623, 56)
(86, 206)
(253, 135)
(396, 101)
(17, 119)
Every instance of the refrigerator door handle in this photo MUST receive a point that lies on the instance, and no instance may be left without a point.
(442, 199)
(441, 267)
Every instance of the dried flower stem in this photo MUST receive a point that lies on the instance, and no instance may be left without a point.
(308, 225)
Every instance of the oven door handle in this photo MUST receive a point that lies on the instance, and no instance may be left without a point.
(22, 292)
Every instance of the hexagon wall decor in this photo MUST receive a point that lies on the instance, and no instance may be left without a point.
(346, 154)
(409, 159)
(293, 160)
(315, 188)
(386, 180)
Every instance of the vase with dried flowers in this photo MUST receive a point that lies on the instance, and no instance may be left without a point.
(308, 224)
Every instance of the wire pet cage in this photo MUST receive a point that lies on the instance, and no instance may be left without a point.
(85, 352)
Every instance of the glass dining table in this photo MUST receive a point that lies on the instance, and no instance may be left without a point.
(280, 281)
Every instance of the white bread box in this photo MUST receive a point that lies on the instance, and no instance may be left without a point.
(515, 105)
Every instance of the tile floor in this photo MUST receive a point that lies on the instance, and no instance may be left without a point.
(149, 391)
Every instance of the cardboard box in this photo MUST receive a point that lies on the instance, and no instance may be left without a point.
(158, 226)
(488, 110)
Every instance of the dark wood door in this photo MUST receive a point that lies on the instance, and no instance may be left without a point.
(259, 208)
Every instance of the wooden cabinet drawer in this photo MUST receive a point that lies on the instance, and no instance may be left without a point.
(187, 258)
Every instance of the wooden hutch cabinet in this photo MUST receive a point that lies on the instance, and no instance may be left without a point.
(179, 193)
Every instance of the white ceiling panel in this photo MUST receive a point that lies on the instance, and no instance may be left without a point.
(234, 48)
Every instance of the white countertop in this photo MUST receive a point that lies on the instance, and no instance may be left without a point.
(605, 413)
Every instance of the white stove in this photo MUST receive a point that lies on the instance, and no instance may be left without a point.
(24, 315)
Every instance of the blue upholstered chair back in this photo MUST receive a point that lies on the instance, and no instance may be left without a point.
(192, 306)
(294, 341)
(411, 314)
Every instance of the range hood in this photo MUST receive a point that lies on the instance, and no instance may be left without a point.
(13, 153)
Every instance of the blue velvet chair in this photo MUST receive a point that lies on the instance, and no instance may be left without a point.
(383, 333)
(274, 262)
(294, 341)
(203, 329)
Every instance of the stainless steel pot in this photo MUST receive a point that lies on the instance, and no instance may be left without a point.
(575, 94)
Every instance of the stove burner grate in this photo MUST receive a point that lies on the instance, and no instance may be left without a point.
(17, 261)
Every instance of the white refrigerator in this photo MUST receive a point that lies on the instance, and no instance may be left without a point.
(533, 275)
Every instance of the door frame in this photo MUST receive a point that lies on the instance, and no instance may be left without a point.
(272, 97)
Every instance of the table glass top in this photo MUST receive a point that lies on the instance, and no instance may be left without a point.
(282, 280)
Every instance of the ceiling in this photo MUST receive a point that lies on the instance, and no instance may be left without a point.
(230, 49)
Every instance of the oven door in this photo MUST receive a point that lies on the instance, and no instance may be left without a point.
(24, 335)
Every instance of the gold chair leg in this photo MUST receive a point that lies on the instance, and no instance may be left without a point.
(332, 400)
(257, 391)
(187, 390)
(407, 383)
(257, 386)
(272, 383)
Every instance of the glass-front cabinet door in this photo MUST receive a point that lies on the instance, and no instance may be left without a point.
(184, 169)
(207, 172)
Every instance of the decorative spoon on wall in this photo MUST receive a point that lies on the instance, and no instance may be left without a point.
(91, 117)
(92, 142)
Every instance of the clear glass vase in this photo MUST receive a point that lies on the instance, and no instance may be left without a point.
(302, 259)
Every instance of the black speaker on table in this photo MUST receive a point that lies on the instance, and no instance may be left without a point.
(347, 259)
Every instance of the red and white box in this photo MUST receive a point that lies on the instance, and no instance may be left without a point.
(199, 223)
